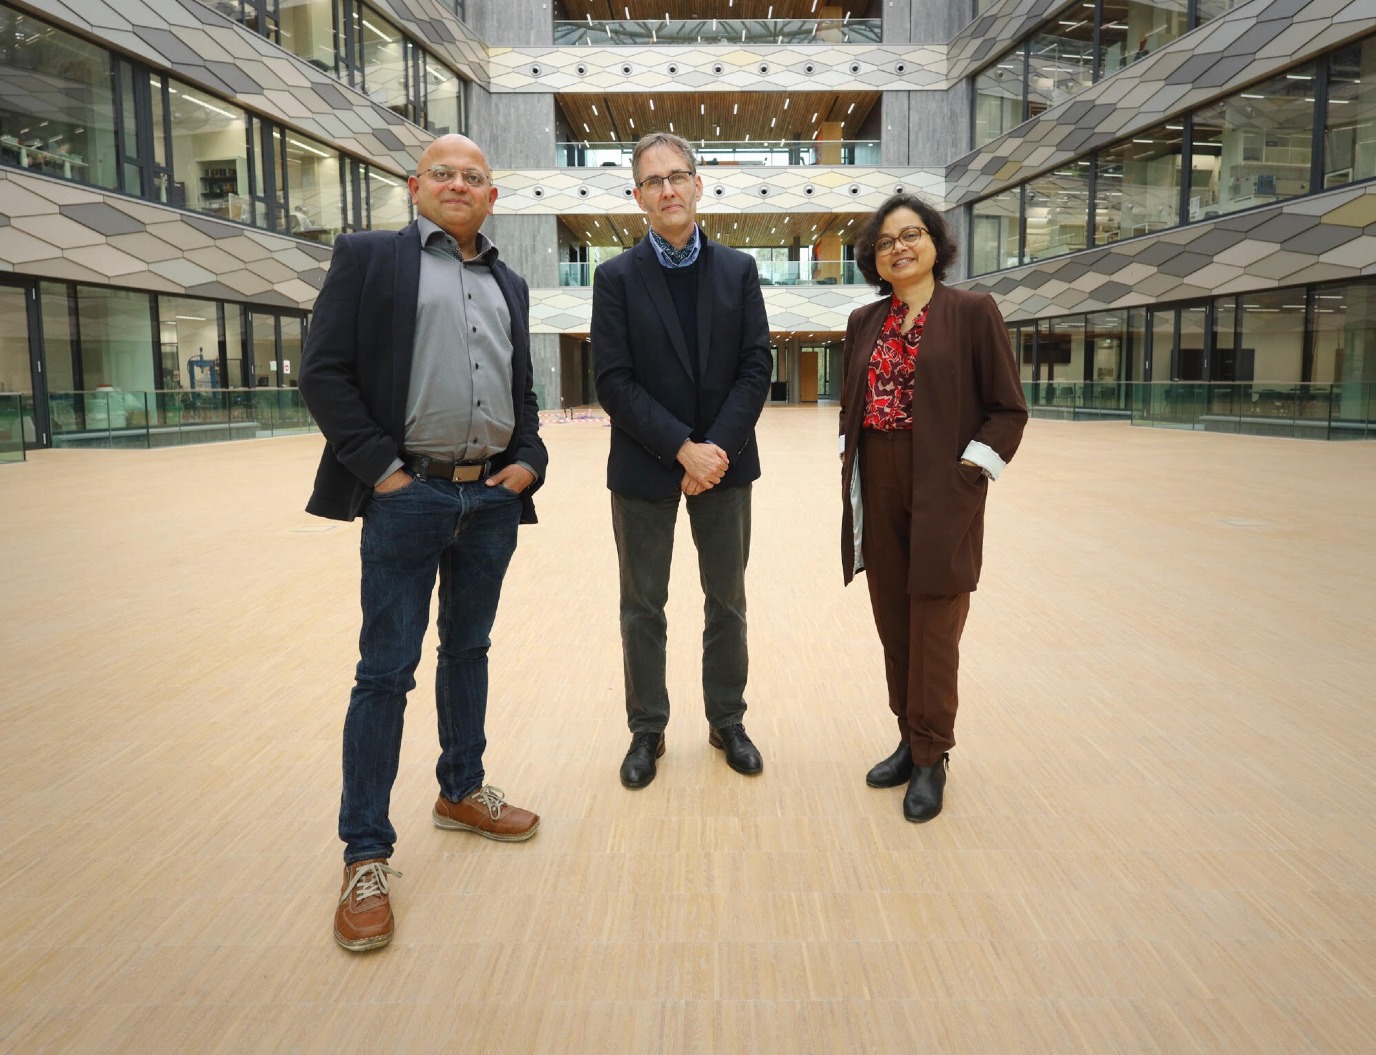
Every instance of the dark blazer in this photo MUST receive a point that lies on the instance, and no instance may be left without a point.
(645, 378)
(965, 387)
(356, 368)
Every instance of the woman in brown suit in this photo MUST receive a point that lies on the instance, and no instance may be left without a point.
(931, 411)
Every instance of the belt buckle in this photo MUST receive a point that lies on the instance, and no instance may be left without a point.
(467, 474)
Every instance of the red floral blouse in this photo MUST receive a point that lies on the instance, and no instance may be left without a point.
(889, 396)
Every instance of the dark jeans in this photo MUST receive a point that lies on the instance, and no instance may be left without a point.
(644, 530)
(466, 533)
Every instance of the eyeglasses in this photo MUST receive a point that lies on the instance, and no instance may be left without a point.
(446, 174)
(909, 236)
(677, 179)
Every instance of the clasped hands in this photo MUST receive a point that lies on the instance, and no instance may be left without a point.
(704, 465)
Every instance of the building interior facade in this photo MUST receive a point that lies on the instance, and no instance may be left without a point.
(1171, 202)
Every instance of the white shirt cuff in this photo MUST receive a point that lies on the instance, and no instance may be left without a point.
(985, 457)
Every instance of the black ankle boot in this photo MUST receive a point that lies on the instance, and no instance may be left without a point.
(893, 771)
(923, 799)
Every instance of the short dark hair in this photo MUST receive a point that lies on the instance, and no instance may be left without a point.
(937, 231)
(662, 139)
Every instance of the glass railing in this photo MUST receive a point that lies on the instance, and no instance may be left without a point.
(721, 31)
(1306, 411)
(13, 423)
(772, 273)
(778, 153)
(169, 418)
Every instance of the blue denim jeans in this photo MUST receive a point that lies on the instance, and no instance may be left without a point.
(466, 533)
(644, 531)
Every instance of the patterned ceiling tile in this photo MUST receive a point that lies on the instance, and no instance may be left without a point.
(761, 68)
(177, 251)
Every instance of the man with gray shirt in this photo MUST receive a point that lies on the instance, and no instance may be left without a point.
(417, 369)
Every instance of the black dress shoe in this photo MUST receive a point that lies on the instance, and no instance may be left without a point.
(923, 799)
(893, 771)
(741, 754)
(638, 767)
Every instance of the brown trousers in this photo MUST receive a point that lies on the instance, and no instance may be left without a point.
(920, 634)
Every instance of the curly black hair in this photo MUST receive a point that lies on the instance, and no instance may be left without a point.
(937, 231)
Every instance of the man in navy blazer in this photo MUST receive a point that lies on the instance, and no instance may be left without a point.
(681, 344)
(417, 369)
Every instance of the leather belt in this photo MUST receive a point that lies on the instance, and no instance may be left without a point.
(454, 472)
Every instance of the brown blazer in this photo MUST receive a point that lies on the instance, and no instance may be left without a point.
(965, 387)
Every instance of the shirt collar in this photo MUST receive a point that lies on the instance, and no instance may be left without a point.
(671, 257)
(430, 231)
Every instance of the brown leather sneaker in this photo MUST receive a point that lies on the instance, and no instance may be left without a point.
(363, 919)
(486, 812)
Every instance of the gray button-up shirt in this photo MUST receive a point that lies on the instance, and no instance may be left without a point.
(459, 405)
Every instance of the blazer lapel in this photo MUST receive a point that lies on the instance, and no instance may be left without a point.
(520, 339)
(405, 295)
(706, 302)
(647, 263)
(865, 336)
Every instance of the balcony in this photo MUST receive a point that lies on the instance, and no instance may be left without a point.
(772, 273)
(720, 31)
(777, 153)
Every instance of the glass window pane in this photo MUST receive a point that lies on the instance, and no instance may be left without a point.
(15, 371)
(308, 31)
(190, 343)
(1345, 340)
(1272, 336)
(1208, 10)
(444, 94)
(1107, 343)
(994, 233)
(998, 98)
(1060, 354)
(1225, 364)
(57, 336)
(1057, 210)
(1254, 147)
(383, 62)
(209, 153)
(1350, 127)
(266, 367)
(1133, 29)
(389, 200)
(313, 189)
(1061, 62)
(235, 375)
(116, 339)
(57, 109)
(1138, 185)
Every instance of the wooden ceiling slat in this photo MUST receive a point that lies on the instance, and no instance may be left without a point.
(752, 230)
(678, 10)
(714, 116)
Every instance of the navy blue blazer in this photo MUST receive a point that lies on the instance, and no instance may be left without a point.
(356, 369)
(645, 377)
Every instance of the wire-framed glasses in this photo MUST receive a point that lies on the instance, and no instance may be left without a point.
(909, 236)
(678, 179)
(446, 174)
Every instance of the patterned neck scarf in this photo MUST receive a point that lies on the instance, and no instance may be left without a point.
(671, 257)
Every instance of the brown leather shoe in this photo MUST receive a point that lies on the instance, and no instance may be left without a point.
(364, 919)
(486, 812)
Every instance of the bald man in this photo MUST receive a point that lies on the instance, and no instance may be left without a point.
(417, 369)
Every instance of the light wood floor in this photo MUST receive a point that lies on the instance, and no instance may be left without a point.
(1159, 835)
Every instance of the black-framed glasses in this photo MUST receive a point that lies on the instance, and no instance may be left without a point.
(678, 179)
(909, 236)
(447, 174)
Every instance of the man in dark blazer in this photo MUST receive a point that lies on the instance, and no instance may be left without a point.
(681, 344)
(417, 369)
